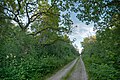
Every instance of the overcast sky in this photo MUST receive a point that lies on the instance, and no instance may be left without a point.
(80, 32)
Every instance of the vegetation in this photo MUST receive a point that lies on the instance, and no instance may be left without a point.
(34, 41)
(23, 57)
(101, 52)
(102, 59)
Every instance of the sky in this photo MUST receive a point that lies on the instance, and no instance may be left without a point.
(80, 32)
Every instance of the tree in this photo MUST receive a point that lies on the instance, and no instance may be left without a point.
(104, 13)
(43, 19)
(25, 12)
(20, 10)
(101, 12)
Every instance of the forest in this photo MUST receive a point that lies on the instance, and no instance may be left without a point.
(34, 41)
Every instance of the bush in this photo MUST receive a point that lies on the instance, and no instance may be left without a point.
(23, 58)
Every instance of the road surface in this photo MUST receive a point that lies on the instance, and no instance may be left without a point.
(78, 72)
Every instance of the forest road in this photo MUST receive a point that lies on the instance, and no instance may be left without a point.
(78, 72)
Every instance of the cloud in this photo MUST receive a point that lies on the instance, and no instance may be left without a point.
(80, 32)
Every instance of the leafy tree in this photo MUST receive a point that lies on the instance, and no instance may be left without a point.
(25, 12)
(18, 10)
(104, 13)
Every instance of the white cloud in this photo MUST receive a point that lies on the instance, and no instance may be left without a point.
(80, 32)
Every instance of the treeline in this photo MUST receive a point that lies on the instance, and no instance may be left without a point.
(101, 54)
(22, 56)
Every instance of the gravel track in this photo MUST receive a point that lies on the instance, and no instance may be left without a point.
(61, 73)
(78, 73)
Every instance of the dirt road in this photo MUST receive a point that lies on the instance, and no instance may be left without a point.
(60, 74)
(78, 72)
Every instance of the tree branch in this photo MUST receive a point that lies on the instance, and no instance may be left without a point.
(54, 41)
(27, 16)
(15, 16)
(55, 29)
(52, 5)
(19, 7)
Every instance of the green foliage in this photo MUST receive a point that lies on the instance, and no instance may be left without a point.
(99, 70)
(101, 56)
(26, 13)
(104, 13)
(33, 55)
(23, 57)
